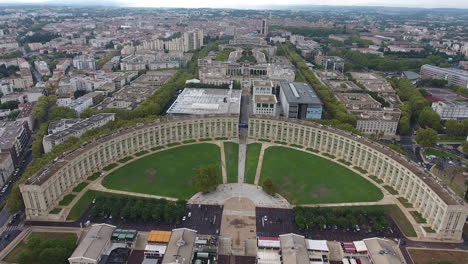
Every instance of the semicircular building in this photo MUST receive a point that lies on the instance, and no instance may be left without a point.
(444, 211)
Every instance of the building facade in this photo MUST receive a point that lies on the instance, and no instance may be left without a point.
(83, 62)
(14, 139)
(453, 76)
(75, 129)
(299, 100)
(444, 211)
(6, 167)
(42, 192)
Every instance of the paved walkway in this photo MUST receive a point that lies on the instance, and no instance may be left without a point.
(97, 186)
(241, 165)
(240, 190)
(260, 161)
(223, 161)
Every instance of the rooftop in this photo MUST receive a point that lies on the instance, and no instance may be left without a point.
(9, 131)
(199, 101)
(382, 251)
(78, 125)
(357, 100)
(156, 236)
(180, 246)
(293, 249)
(458, 72)
(268, 99)
(300, 93)
(93, 243)
(386, 114)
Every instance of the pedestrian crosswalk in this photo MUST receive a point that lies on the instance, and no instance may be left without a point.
(10, 228)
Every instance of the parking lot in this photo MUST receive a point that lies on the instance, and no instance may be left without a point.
(206, 219)
(281, 221)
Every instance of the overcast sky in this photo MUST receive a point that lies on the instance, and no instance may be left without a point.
(256, 3)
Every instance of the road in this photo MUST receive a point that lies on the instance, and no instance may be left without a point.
(17, 225)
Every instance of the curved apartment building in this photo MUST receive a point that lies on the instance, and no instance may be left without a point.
(444, 211)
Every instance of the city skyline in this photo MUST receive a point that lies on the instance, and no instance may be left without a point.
(261, 4)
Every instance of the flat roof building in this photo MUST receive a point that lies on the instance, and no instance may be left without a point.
(93, 245)
(60, 130)
(457, 110)
(384, 121)
(200, 101)
(453, 76)
(14, 138)
(358, 101)
(156, 236)
(180, 247)
(299, 100)
(294, 249)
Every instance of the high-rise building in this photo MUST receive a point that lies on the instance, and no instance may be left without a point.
(83, 62)
(264, 27)
(193, 40)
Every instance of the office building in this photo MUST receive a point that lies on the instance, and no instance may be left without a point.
(453, 76)
(60, 130)
(193, 40)
(299, 100)
(200, 101)
(14, 139)
(96, 241)
(83, 62)
(264, 27)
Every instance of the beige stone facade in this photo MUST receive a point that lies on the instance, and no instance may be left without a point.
(443, 210)
(42, 192)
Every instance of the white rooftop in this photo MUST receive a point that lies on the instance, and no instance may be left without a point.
(156, 248)
(201, 101)
(317, 245)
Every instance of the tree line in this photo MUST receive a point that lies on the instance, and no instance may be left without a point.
(333, 109)
(313, 31)
(134, 208)
(356, 61)
(317, 218)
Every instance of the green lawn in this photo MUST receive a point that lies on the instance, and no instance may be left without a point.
(95, 176)
(304, 178)
(67, 199)
(439, 153)
(80, 187)
(167, 173)
(251, 161)
(231, 153)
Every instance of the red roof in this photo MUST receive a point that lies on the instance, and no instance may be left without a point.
(268, 238)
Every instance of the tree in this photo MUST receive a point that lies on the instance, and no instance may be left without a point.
(62, 112)
(426, 137)
(454, 128)
(430, 118)
(269, 186)
(206, 178)
(465, 146)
